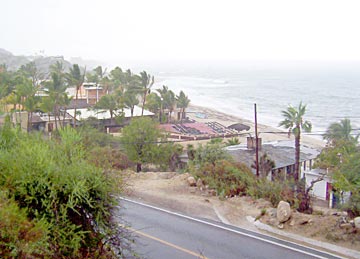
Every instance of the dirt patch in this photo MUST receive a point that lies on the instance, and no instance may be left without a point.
(171, 191)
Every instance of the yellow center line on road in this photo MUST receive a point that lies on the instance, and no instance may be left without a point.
(166, 243)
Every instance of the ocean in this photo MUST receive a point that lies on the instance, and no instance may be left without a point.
(331, 90)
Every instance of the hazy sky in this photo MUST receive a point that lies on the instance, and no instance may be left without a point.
(181, 29)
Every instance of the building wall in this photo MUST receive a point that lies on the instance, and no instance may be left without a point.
(94, 95)
(320, 188)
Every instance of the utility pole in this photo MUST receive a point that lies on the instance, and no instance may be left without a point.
(257, 144)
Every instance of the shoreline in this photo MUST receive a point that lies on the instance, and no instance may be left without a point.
(266, 132)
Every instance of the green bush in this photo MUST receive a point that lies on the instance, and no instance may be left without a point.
(19, 236)
(273, 191)
(227, 178)
(210, 153)
(167, 156)
(52, 182)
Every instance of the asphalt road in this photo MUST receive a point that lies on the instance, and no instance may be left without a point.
(161, 234)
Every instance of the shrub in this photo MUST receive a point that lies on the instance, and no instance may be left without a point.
(273, 191)
(109, 158)
(210, 153)
(52, 182)
(19, 236)
(227, 178)
(166, 155)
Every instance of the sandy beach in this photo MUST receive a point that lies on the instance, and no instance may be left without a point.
(267, 133)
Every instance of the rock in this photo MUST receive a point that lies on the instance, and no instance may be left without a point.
(272, 212)
(199, 183)
(281, 226)
(191, 181)
(343, 220)
(357, 222)
(346, 226)
(283, 212)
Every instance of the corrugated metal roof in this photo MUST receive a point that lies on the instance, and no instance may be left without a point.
(281, 152)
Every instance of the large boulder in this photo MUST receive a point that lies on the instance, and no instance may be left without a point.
(357, 222)
(283, 212)
(191, 181)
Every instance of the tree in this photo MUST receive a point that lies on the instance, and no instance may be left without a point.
(96, 75)
(146, 82)
(76, 79)
(6, 82)
(66, 100)
(140, 140)
(347, 179)
(182, 102)
(294, 122)
(47, 106)
(130, 101)
(168, 156)
(168, 99)
(153, 103)
(342, 160)
(31, 71)
(58, 68)
(265, 165)
(109, 102)
(56, 88)
(117, 77)
(340, 131)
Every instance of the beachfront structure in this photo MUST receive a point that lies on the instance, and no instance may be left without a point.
(281, 152)
(40, 121)
(192, 130)
(91, 92)
(104, 117)
(323, 189)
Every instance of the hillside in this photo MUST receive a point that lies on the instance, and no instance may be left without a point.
(43, 63)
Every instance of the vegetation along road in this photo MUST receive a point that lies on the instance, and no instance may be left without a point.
(163, 234)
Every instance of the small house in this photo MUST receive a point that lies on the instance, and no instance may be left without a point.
(282, 153)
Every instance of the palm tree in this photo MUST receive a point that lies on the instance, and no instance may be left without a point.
(109, 102)
(340, 131)
(58, 67)
(31, 71)
(66, 100)
(130, 100)
(182, 102)
(294, 122)
(162, 91)
(168, 100)
(153, 102)
(47, 106)
(75, 78)
(25, 92)
(146, 82)
(265, 165)
(56, 88)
